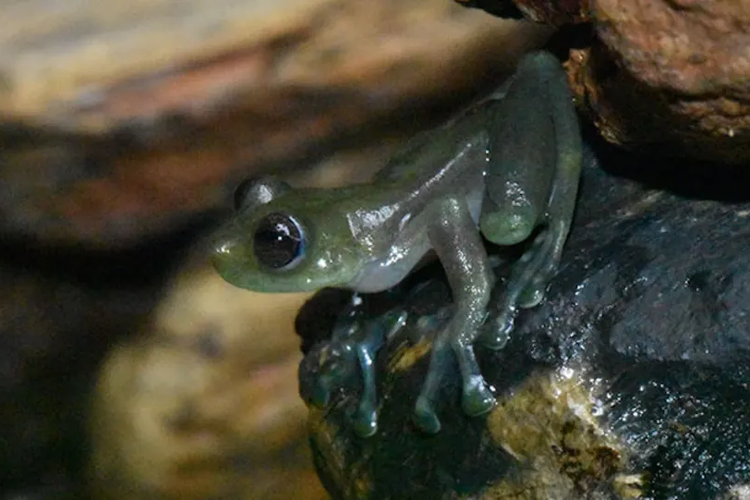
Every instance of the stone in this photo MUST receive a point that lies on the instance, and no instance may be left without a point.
(59, 313)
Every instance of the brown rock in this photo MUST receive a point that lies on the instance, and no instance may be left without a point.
(672, 74)
(205, 403)
(124, 120)
(666, 75)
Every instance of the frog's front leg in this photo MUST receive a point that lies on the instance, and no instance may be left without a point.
(350, 358)
(532, 180)
(375, 335)
(454, 236)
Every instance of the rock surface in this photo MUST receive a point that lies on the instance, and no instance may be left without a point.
(121, 120)
(629, 381)
(667, 75)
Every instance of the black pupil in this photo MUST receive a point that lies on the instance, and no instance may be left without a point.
(277, 241)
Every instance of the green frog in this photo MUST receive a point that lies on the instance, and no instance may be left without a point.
(508, 170)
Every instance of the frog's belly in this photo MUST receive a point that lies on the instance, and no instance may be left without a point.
(474, 202)
(387, 272)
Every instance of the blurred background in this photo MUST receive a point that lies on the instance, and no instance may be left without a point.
(128, 369)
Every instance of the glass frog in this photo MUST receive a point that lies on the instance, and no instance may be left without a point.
(507, 170)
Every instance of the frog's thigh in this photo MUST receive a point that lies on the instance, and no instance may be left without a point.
(534, 159)
(522, 157)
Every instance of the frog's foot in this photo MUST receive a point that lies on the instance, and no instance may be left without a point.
(497, 332)
(337, 368)
(321, 394)
(477, 398)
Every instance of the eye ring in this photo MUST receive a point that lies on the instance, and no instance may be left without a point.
(279, 242)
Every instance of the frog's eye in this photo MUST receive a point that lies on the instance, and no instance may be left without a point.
(279, 241)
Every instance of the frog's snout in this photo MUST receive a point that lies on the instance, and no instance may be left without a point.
(226, 254)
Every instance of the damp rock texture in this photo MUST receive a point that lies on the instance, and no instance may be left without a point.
(671, 75)
(629, 381)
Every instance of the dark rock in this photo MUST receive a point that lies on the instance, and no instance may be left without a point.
(554, 12)
(629, 381)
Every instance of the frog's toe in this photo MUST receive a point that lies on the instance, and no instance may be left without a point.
(502, 228)
(532, 295)
(497, 332)
(477, 399)
(424, 416)
(365, 423)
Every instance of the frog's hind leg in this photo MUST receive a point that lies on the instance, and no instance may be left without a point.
(532, 179)
(454, 236)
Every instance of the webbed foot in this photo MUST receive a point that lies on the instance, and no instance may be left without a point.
(321, 394)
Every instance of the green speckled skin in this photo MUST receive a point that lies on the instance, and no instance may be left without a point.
(505, 169)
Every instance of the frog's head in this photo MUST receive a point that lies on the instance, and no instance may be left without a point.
(285, 240)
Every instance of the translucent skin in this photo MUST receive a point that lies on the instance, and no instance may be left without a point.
(504, 169)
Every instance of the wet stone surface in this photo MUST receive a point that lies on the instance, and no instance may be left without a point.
(629, 381)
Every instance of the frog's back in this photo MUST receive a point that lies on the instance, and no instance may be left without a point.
(448, 159)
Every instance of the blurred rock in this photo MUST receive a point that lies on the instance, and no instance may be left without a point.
(59, 313)
(123, 120)
(665, 75)
(205, 404)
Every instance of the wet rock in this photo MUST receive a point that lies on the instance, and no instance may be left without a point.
(666, 75)
(629, 381)
(204, 404)
(124, 120)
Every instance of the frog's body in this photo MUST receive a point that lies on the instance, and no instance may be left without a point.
(504, 169)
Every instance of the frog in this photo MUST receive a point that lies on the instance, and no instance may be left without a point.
(505, 172)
